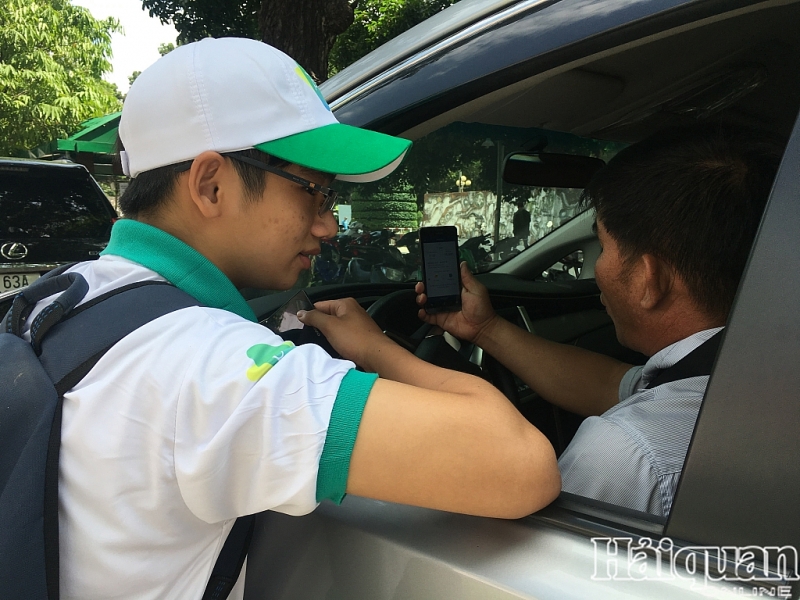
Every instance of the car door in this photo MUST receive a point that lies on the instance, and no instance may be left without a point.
(734, 510)
(741, 480)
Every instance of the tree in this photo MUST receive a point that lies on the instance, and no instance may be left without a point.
(132, 77)
(52, 59)
(375, 23)
(304, 29)
(198, 19)
(164, 49)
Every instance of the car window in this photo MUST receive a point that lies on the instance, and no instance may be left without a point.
(569, 267)
(51, 203)
(451, 176)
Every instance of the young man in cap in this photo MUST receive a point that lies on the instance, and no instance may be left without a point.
(203, 415)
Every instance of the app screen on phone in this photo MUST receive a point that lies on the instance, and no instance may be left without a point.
(441, 269)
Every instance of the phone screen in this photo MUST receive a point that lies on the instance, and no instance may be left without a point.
(440, 267)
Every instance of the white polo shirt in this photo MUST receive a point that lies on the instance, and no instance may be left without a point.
(196, 418)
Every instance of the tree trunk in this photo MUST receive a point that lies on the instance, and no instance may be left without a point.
(305, 29)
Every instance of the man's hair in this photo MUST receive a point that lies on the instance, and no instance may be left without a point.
(149, 191)
(693, 198)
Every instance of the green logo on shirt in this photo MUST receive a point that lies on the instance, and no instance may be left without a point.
(265, 357)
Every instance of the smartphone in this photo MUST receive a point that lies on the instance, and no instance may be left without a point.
(440, 272)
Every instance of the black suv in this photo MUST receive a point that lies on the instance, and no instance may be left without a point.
(51, 213)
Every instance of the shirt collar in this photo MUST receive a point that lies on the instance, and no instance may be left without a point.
(666, 357)
(180, 264)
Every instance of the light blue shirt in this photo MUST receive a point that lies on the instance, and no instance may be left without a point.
(632, 455)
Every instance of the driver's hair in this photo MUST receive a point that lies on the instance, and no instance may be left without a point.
(692, 197)
(150, 190)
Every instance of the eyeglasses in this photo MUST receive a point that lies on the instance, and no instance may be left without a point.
(330, 196)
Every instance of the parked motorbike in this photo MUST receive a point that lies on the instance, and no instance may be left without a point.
(365, 257)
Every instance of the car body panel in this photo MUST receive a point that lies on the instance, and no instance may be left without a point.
(440, 26)
(382, 551)
(51, 213)
(741, 480)
(543, 37)
(751, 409)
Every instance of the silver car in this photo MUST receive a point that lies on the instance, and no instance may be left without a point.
(475, 84)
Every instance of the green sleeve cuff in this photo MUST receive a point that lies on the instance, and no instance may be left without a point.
(334, 464)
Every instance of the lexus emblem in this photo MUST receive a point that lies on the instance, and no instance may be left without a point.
(14, 251)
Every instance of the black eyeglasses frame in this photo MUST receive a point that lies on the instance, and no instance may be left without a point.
(329, 194)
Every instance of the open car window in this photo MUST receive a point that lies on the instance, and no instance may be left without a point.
(604, 70)
(452, 176)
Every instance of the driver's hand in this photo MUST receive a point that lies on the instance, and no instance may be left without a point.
(476, 312)
(349, 329)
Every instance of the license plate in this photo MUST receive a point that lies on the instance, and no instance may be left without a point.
(16, 281)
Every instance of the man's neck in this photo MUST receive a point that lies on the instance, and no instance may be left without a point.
(186, 225)
(675, 325)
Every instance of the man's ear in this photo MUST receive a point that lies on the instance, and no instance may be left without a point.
(658, 279)
(207, 178)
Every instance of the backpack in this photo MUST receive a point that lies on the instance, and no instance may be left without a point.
(66, 342)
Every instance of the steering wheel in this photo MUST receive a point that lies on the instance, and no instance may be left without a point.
(400, 308)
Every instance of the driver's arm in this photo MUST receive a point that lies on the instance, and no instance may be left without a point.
(433, 437)
(578, 380)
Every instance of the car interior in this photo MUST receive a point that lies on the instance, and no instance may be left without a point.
(737, 68)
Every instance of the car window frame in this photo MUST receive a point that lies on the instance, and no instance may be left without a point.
(722, 498)
(657, 18)
(587, 518)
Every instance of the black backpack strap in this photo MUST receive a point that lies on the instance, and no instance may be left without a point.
(73, 288)
(698, 362)
(99, 324)
(231, 558)
(70, 346)
(28, 292)
(58, 270)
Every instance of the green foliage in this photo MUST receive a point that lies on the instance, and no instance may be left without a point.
(132, 77)
(198, 19)
(376, 22)
(164, 49)
(433, 164)
(52, 59)
(385, 210)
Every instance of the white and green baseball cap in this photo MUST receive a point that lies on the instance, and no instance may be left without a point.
(231, 94)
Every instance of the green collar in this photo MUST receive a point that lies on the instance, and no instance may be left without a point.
(180, 264)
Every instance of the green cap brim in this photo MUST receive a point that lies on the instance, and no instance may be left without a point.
(351, 153)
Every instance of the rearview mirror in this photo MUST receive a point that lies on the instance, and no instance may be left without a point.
(550, 170)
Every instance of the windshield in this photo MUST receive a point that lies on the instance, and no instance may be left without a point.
(452, 176)
(51, 203)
